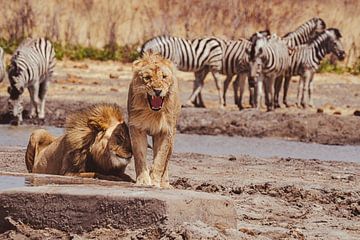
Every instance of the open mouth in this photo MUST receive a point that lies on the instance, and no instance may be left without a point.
(156, 102)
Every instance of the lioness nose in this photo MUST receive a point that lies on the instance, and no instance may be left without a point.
(157, 92)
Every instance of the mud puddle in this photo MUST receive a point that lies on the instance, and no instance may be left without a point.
(219, 145)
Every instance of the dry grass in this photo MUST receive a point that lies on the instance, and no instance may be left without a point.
(98, 23)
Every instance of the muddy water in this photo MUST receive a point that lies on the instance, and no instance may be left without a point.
(7, 182)
(220, 145)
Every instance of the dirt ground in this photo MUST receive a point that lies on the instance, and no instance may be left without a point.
(332, 121)
(276, 198)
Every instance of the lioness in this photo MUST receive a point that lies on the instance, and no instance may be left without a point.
(153, 108)
(96, 141)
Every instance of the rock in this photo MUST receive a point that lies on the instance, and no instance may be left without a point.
(78, 208)
(320, 110)
(337, 113)
(357, 113)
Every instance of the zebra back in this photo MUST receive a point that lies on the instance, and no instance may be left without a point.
(187, 55)
(305, 32)
(235, 58)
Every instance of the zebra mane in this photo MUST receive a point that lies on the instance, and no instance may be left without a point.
(336, 32)
(301, 28)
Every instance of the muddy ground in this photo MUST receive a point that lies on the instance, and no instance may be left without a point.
(276, 198)
(332, 121)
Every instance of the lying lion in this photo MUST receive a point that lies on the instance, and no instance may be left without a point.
(96, 142)
(153, 108)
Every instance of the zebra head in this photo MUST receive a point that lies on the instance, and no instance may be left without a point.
(320, 25)
(256, 58)
(334, 44)
(15, 106)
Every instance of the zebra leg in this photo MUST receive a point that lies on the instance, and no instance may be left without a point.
(305, 97)
(278, 83)
(269, 93)
(241, 78)
(218, 86)
(226, 85)
(286, 88)
(199, 101)
(42, 96)
(311, 88)
(259, 92)
(198, 85)
(252, 91)
(34, 98)
(300, 91)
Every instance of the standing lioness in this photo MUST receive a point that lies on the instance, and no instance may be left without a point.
(153, 108)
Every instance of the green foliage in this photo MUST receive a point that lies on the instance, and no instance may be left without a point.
(77, 52)
(327, 66)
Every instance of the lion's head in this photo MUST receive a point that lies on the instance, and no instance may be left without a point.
(153, 79)
(99, 138)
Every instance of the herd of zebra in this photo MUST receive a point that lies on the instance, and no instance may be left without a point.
(265, 59)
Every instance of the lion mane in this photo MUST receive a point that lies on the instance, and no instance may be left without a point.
(96, 139)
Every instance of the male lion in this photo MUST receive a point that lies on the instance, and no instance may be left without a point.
(153, 108)
(96, 142)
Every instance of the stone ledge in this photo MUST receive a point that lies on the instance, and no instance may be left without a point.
(79, 208)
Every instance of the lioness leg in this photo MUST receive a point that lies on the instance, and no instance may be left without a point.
(163, 143)
(139, 148)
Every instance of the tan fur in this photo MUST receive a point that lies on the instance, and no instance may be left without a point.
(153, 72)
(96, 139)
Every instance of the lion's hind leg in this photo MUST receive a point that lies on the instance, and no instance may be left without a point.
(39, 139)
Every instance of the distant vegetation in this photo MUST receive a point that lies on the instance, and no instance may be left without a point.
(77, 52)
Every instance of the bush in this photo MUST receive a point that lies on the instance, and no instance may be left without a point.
(327, 66)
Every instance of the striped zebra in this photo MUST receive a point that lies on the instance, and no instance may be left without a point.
(302, 35)
(2, 65)
(31, 67)
(269, 59)
(236, 62)
(200, 55)
(305, 60)
(305, 32)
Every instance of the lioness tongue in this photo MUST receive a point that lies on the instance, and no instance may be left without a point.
(156, 102)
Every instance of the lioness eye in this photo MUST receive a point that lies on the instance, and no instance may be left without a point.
(146, 78)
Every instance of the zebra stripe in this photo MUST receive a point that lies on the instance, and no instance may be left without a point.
(199, 55)
(31, 66)
(305, 60)
(2, 65)
(305, 32)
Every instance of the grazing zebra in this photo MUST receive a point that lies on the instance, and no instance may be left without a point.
(31, 67)
(305, 32)
(269, 59)
(200, 55)
(305, 60)
(236, 62)
(2, 65)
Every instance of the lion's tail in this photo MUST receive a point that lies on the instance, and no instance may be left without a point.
(39, 139)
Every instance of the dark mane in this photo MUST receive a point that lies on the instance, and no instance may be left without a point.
(336, 31)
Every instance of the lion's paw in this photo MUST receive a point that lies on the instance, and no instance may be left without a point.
(143, 179)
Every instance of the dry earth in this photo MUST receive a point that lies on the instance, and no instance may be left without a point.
(277, 198)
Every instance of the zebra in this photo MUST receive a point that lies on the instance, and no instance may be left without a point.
(305, 32)
(2, 65)
(199, 55)
(269, 59)
(236, 62)
(305, 60)
(31, 67)
(302, 35)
